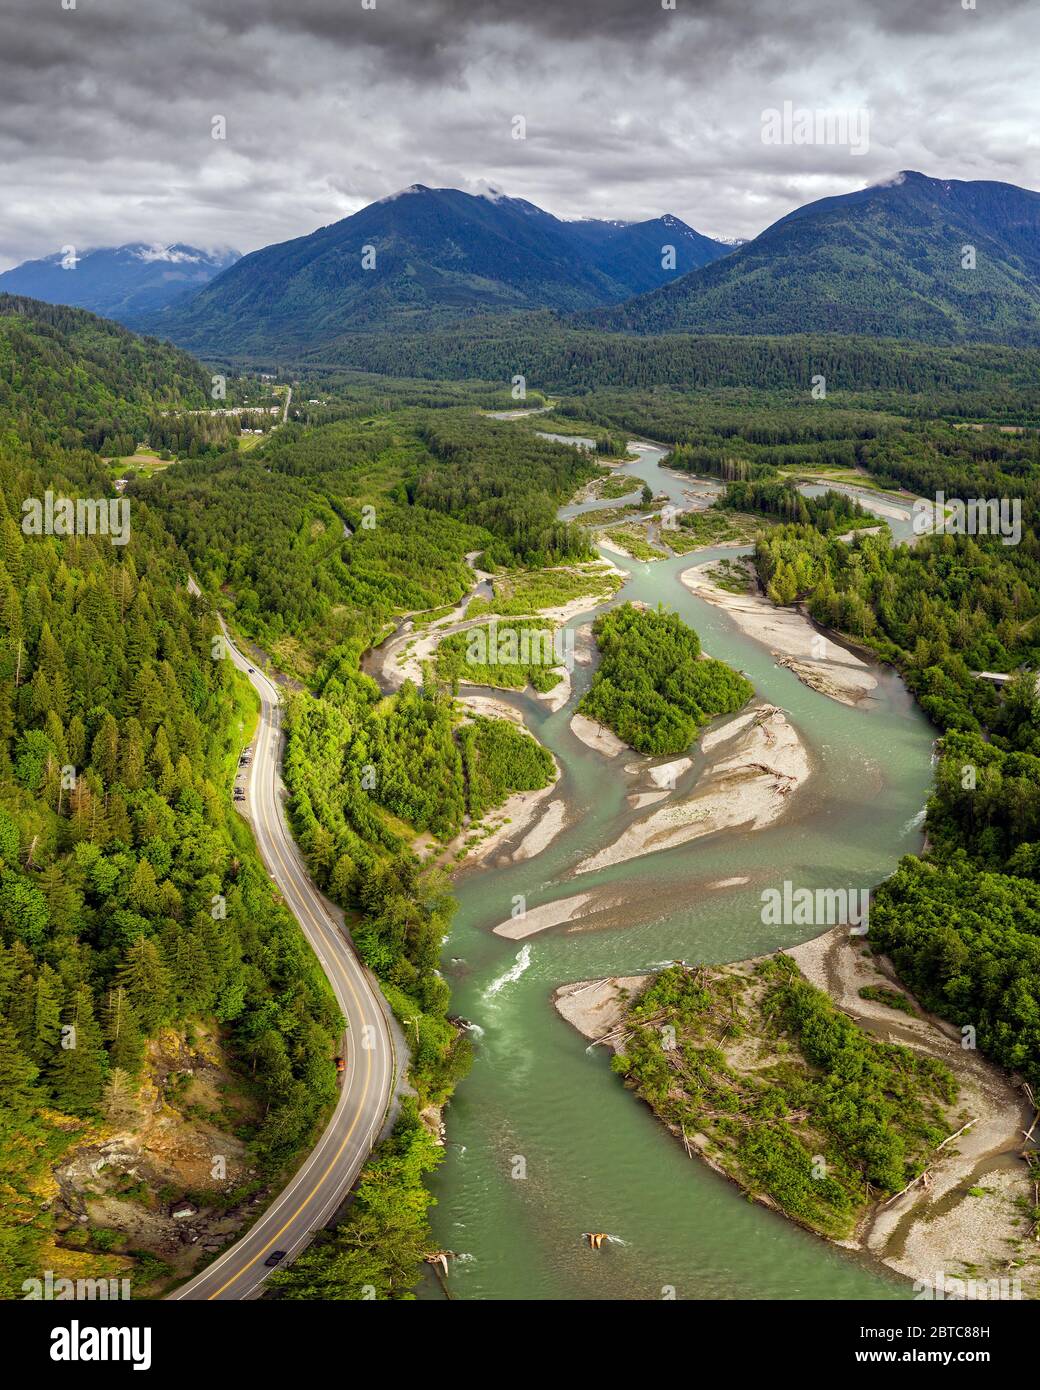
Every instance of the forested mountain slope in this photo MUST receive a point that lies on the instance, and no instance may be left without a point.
(70, 378)
(424, 256)
(891, 260)
(554, 357)
(130, 901)
(133, 910)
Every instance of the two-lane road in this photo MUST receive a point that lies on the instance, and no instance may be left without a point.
(331, 1168)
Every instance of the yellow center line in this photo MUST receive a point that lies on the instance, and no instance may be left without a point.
(276, 853)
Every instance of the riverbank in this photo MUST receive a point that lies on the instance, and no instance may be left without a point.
(765, 763)
(597, 736)
(524, 811)
(966, 1217)
(521, 814)
(815, 659)
(401, 656)
(969, 1217)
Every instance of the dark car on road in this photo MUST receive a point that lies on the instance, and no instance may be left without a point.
(275, 1257)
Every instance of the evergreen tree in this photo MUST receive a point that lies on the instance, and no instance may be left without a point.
(146, 979)
(79, 1067)
(17, 1073)
(122, 1031)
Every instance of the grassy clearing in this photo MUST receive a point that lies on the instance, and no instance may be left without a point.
(435, 615)
(531, 591)
(714, 526)
(615, 485)
(633, 540)
(508, 655)
(850, 477)
(143, 460)
(609, 516)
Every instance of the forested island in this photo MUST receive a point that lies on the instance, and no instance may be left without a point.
(873, 1136)
(653, 686)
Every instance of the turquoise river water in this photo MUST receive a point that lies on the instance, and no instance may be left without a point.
(537, 1103)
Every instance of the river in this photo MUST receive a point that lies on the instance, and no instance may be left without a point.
(544, 1142)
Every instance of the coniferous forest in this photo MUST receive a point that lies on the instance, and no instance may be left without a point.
(131, 900)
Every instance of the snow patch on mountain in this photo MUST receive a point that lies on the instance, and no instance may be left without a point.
(179, 255)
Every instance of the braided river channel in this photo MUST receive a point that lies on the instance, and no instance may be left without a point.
(543, 1141)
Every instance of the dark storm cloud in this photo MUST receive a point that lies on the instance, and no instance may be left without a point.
(421, 35)
(631, 109)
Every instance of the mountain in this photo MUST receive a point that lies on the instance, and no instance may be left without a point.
(631, 252)
(120, 282)
(885, 260)
(439, 255)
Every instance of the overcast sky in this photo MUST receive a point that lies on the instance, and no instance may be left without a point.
(631, 109)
